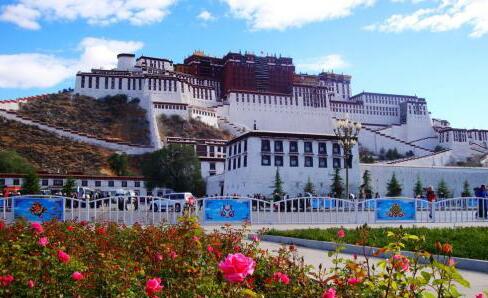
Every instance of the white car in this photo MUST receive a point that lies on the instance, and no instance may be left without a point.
(173, 201)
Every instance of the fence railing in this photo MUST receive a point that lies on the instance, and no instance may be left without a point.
(216, 210)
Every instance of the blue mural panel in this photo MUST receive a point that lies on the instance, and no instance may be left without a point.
(38, 209)
(395, 210)
(227, 210)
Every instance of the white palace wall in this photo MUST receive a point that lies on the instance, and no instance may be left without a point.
(280, 115)
(407, 176)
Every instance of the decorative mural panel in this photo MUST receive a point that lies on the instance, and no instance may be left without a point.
(227, 210)
(395, 210)
(38, 209)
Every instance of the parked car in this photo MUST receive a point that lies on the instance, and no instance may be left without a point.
(173, 201)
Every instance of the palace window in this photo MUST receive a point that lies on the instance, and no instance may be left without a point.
(245, 145)
(293, 147)
(293, 161)
(89, 82)
(238, 161)
(82, 81)
(16, 181)
(58, 182)
(265, 160)
(2, 182)
(278, 159)
(128, 84)
(98, 183)
(322, 148)
(106, 83)
(307, 147)
(308, 161)
(112, 83)
(228, 164)
(245, 161)
(140, 84)
(45, 182)
(84, 183)
(336, 163)
(322, 162)
(111, 183)
(234, 163)
(120, 83)
(336, 149)
(124, 183)
(265, 146)
(97, 82)
(278, 146)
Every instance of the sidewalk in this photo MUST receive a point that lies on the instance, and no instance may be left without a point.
(314, 257)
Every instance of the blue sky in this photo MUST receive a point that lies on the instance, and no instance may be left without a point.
(437, 49)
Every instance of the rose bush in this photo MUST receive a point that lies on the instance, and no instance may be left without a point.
(108, 260)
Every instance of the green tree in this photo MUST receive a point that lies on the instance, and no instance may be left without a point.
(418, 189)
(337, 186)
(466, 190)
(366, 186)
(119, 164)
(442, 190)
(278, 192)
(31, 184)
(12, 162)
(69, 187)
(175, 166)
(394, 188)
(309, 187)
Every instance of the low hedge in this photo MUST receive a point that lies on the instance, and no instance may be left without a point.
(468, 242)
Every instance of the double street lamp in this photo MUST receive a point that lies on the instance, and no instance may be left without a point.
(347, 132)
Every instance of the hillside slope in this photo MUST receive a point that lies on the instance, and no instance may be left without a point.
(110, 117)
(175, 126)
(50, 153)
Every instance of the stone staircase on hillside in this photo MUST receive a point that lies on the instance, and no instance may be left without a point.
(108, 143)
(233, 128)
(478, 148)
(413, 146)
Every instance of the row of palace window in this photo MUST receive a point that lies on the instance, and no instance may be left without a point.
(60, 182)
(237, 148)
(235, 163)
(308, 161)
(281, 100)
(293, 147)
(131, 82)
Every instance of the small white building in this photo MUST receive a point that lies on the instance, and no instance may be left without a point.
(254, 157)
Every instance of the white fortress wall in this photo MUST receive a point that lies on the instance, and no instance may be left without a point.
(278, 113)
(374, 142)
(207, 116)
(435, 159)
(407, 176)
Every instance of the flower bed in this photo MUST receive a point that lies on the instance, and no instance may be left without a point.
(86, 260)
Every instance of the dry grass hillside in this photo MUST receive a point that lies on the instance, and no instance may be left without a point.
(110, 117)
(48, 152)
(175, 126)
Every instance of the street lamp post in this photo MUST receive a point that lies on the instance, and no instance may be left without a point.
(347, 132)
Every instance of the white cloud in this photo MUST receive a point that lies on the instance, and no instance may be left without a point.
(206, 16)
(282, 14)
(324, 63)
(448, 15)
(28, 13)
(28, 70)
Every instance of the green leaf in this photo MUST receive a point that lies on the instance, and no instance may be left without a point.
(426, 275)
(428, 295)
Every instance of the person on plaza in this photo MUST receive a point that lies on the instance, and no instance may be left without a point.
(481, 193)
(431, 197)
(377, 196)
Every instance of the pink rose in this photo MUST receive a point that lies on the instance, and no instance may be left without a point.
(6, 280)
(210, 249)
(236, 267)
(196, 238)
(158, 257)
(43, 241)
(451, 262)
(31, 283)
(341, 233)
(480, 295)
(353, 280)
(255, 238)
(173, 255)
(2, 224)
(76, 276)
(281, 278)
(330, 293)
(37, 227)
(63, 257)
(401, 263)
(153, 286)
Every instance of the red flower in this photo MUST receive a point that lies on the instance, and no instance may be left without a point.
(401, 263)
(236, 267)
(353, 280)
(43, 241)
(330, 293)
(281, 278)
(210, 249)
(76, 276)
(37, 227)
(480, 295)
(101, 231)
(31, 283)
(153, 286)
(2, 224)
(70, 228)
(158, 257)
(447, 248)
(173, 255)
(63, 257)
(341, 233)
(6, 280)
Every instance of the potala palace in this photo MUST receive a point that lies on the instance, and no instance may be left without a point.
(283, 119)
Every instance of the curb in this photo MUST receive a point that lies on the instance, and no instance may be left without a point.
(461, 263)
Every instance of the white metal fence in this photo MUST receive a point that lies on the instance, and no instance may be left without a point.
(304, 210)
